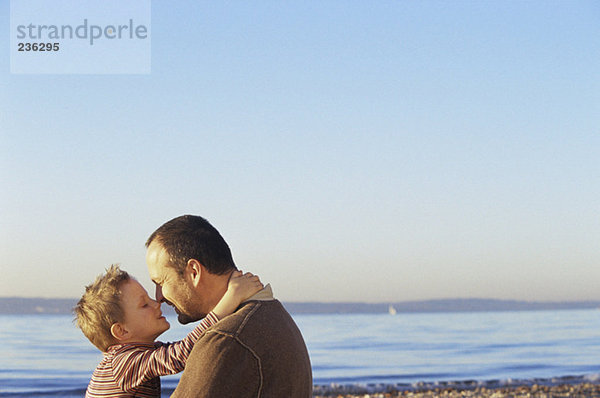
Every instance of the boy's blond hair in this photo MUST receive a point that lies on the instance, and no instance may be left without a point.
(100, 307)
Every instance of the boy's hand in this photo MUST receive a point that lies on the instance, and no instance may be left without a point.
(241, 286)
(244, 285)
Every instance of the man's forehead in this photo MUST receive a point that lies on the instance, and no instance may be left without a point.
(156, 252)
(157, 259)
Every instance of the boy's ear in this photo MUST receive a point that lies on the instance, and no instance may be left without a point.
(118, 331)
(194, 271)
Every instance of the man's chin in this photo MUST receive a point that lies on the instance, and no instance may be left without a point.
(184, 319)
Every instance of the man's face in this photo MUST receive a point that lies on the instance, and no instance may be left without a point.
(172, 288)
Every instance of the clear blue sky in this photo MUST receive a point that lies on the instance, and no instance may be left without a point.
(346, 150)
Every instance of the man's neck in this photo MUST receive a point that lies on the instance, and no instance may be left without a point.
(215, 287)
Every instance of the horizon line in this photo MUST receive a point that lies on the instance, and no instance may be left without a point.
(367, 302)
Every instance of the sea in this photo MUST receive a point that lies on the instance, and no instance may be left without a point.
(47, 356)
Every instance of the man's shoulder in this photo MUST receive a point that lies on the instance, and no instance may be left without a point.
(250, 315)
(259, 346)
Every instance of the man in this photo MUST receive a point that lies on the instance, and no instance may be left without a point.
(257, 351)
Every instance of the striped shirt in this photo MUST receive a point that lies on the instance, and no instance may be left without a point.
(133, 369)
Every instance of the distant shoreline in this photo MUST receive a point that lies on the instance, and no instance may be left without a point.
(29, 306)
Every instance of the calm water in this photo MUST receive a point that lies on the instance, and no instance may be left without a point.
(44, 355)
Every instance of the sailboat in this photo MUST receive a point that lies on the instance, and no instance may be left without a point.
(392, 310)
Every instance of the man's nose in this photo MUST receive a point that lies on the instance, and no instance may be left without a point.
(158, 294)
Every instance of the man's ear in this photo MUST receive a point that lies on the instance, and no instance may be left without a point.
(119, 332)
(195, 271)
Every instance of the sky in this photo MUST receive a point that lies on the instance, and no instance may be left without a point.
(346, 150)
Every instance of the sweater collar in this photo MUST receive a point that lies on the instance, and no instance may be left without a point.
(265, 294)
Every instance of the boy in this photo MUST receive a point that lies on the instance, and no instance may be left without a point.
(117, 316)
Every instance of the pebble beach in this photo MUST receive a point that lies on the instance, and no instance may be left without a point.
(591, 390)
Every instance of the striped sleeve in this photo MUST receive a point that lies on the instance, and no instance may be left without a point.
(133, 367)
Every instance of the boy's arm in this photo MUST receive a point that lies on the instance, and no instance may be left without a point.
(133, 365)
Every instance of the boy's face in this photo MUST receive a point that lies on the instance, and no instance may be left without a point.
(143, 318)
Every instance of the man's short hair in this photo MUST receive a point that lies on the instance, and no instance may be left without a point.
(192, 237)
(100, 307)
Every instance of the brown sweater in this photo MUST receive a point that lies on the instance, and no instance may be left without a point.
(257, 351)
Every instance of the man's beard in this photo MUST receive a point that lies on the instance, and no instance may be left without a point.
(188, 312)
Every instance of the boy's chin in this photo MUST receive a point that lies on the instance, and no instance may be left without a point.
(166, 327)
